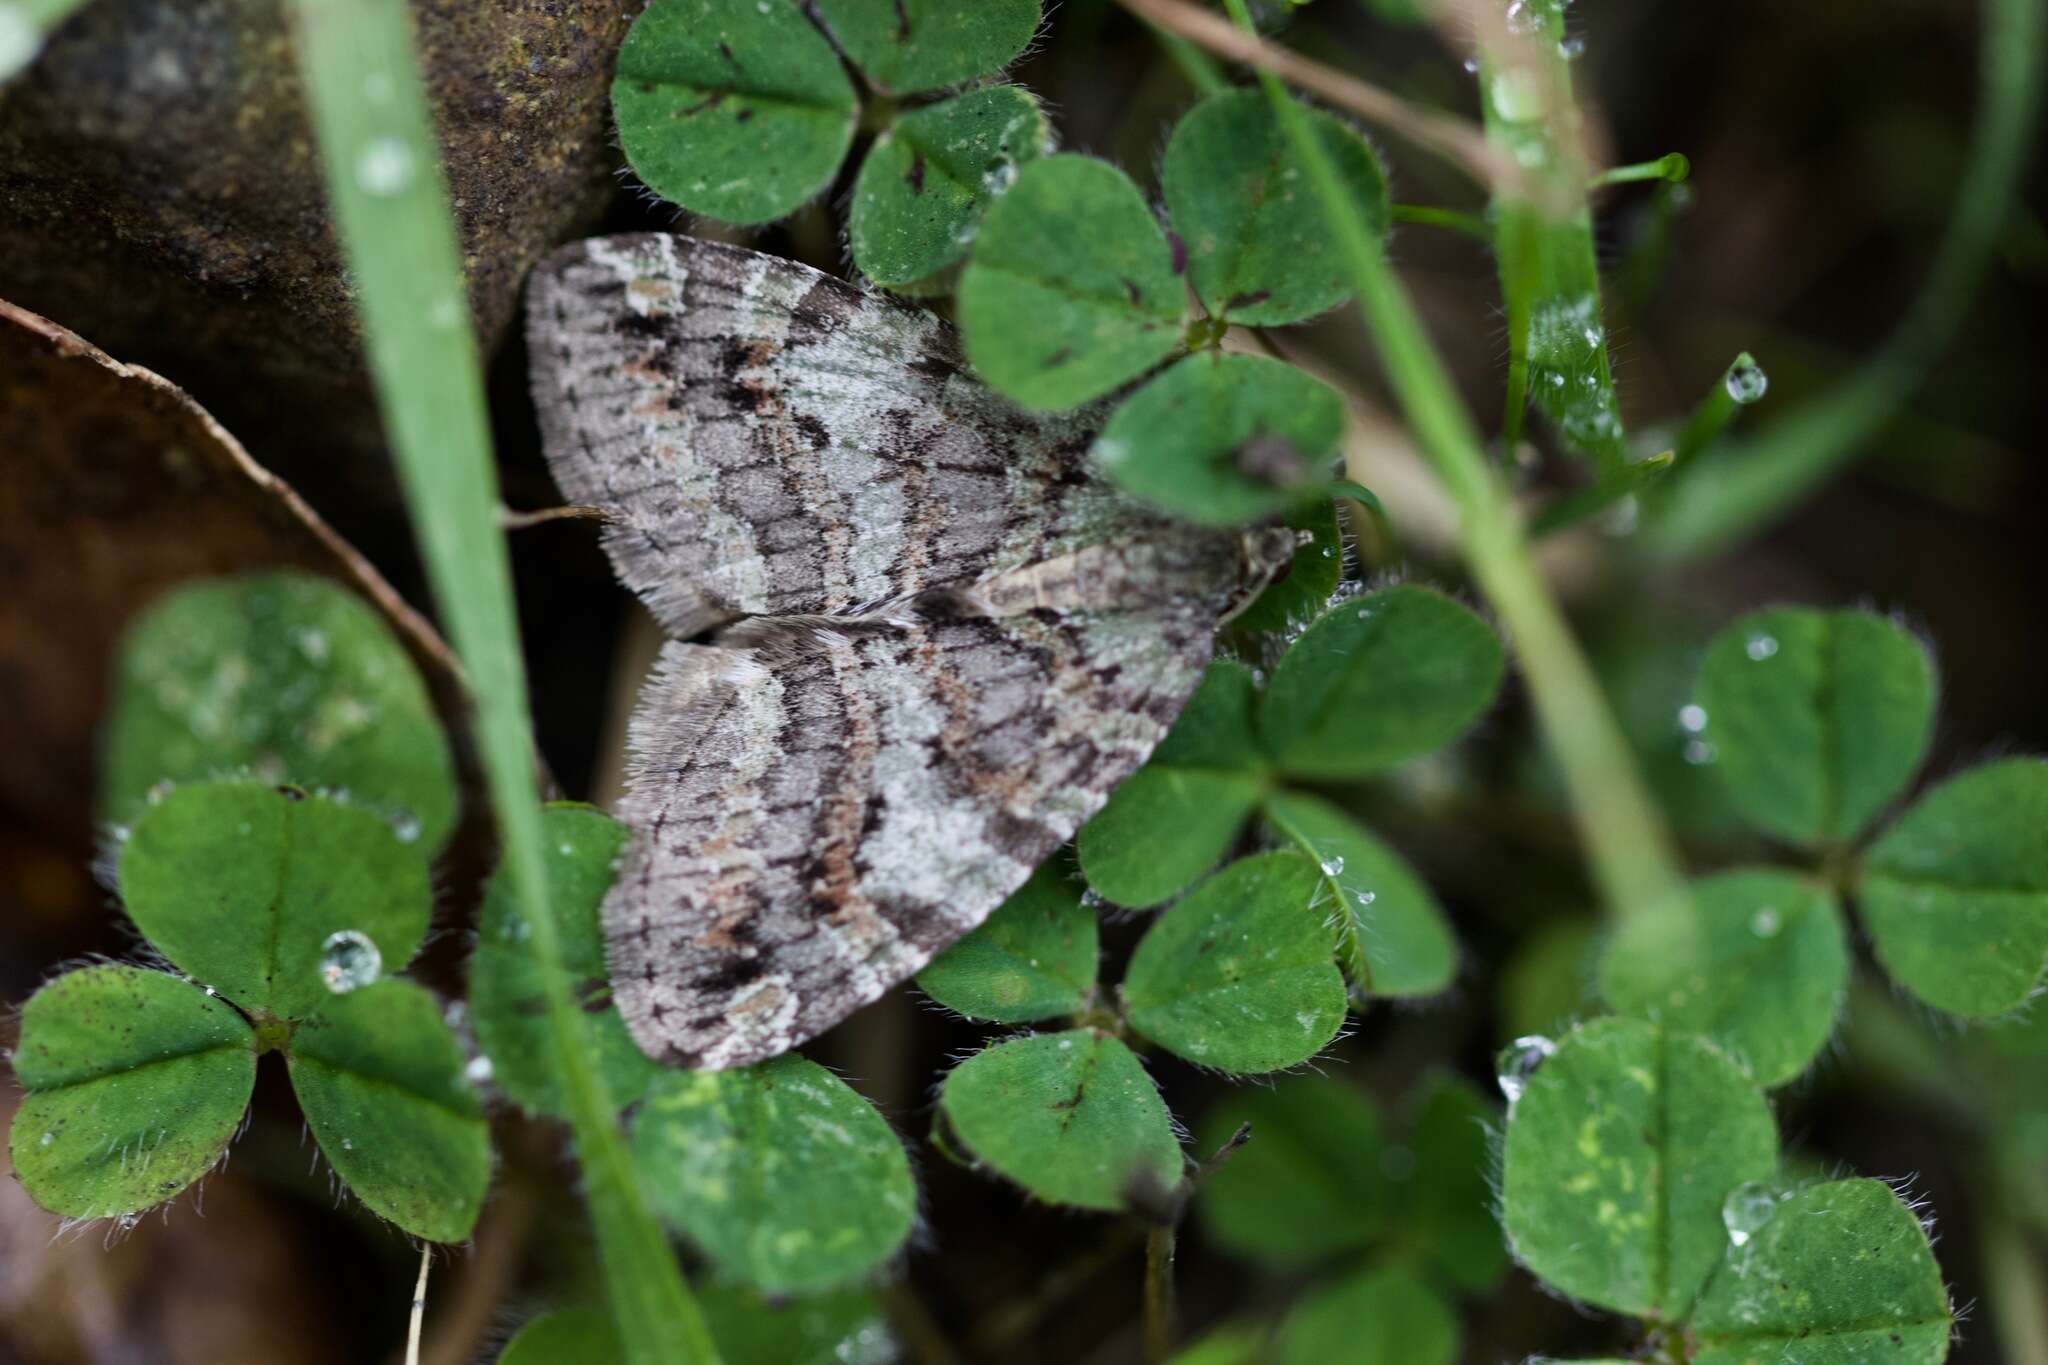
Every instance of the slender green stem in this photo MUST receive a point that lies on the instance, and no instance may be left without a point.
(1453, 220)
(1573, 508)
(1159, 1246)
(1624, 836)
(1673, 166)
(1715, 411)
(1738, 491)
(370, 113)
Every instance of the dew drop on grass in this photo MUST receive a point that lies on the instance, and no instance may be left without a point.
(384, 167)
(1692, 718)
(1766, 922)
(406, 826)
(1518, 1062)
(1699, 753)
(1745, 1211)
(1366, 898)
(1761, 647)
(349, 960)
(1333, 865)
(479, 1070)
(1747, 381)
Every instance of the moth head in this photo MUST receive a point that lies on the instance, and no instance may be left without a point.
(1266, 550)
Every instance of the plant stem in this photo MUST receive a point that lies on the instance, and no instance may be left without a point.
(1159, 1246)
(1453, 139)
(1738, 491)
(2018, 1290)
(1673, 166)
(391, 207)
(1452, 220)
(1623, 833)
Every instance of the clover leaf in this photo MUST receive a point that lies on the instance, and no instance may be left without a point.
(285, 909)
(1033, 959)
(781, 1173)
(1238, 975)
(1071, 1117)
(1071, 290)
(1955, 894)
(1818, 719)
(289, 678)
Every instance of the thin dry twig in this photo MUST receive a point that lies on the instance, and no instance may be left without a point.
(1461, 143)
(419, 1307)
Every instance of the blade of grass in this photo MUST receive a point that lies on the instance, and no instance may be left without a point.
(1624, 836)
(1740, 489)
(1543, 231)
(391, 205)
(24, 24)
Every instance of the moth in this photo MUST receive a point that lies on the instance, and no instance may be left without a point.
(915, 641)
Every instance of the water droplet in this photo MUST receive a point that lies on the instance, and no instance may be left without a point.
(1366, 898)
(479, 1070)
(1699, 753)
(1518, 95)
(1747, 381)
(349, 959)
(1766, 922)
(1332, 866)
(406, 826)
(20, 40)
(1327, 552)
(1518, 1062)
(384, 167)
(1745, 1211)
(48, 1138)
(313, 644)
(1692, 718)
(348, 1144)
(1572, 48)
(1761, 647)
(156, 794)
(1471, 66)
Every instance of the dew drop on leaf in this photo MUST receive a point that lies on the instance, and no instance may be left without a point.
(384, 167)
(1747, 381)
(1518, 1062)
(1332, 866)
(349, 959)
(1699, 753)
(1761, 647)
(1692, 718)
(1766, 922)
(1745, 1211)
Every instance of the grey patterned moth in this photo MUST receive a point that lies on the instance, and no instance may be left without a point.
(915, 641)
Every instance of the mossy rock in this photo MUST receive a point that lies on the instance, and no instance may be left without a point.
(164, 198)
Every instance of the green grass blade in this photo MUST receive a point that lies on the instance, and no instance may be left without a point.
(1738, 491)
(370, 113)
(24, 24)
